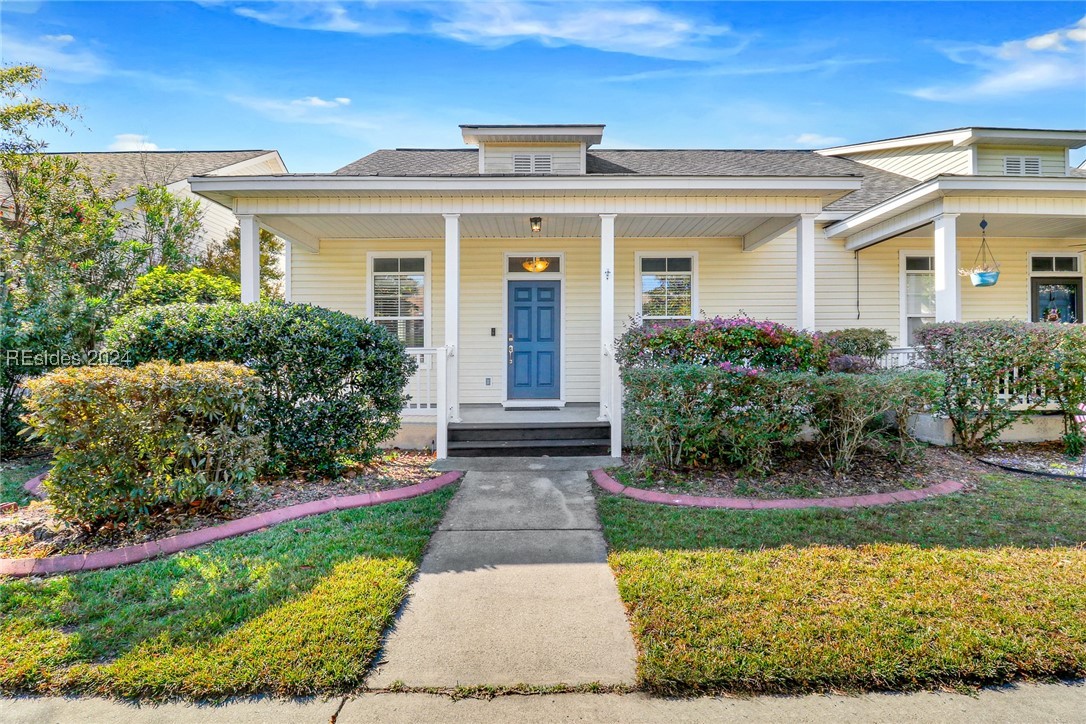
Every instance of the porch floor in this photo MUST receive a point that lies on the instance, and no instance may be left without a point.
(490, 414)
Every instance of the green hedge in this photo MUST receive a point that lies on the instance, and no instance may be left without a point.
(682, 415)
(162, 286)
(734, 340)
(333, 384)
(127, 441)
(858, 342)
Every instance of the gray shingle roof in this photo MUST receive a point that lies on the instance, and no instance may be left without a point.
(133, 168)
(878, 185)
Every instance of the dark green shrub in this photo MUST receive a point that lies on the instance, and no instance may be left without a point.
(737, 340)
(853, 411)
(689, 414)
(1067, 382)
(333, 384)
(162, 286)
(993, 370)
(127, 441)
(858, 342)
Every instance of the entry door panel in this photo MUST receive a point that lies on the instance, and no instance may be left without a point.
(534, 336)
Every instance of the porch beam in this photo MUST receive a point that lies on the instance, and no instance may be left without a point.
(289, 231)
(805, 272)
(767, 231)
(753, 205)
(250, 258)
(903, 223)
(947, 284)
(607, 311)
(452, 315)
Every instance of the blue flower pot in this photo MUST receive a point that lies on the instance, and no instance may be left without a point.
(984, 278)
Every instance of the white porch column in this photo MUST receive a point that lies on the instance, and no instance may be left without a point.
(947, 287)
(250, 258)
(805, 272)
(607, 311)
(452, 314)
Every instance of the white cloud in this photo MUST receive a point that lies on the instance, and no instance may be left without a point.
(134, 142)
(635, 28)
(817, 140)
(1050, 61)
(58, 55)
(318, 102)
(826, 65)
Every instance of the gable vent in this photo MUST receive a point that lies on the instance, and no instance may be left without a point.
(532, 163)
(1022, 165)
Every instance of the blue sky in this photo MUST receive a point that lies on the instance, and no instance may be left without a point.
(328, 82)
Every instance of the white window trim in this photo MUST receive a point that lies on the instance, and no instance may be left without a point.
(695, 307)
(903, 300)
(1068, 275)
(427, 320)
(563, 353)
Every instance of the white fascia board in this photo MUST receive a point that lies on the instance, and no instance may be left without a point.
(258, 185)
(955, 138)
(950, 185)
(1066, 139)
(588, 133)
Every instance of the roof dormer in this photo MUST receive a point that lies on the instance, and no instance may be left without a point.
(526, 150)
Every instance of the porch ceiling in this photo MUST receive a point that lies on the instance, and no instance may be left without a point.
(492, 226)
(1010, 226)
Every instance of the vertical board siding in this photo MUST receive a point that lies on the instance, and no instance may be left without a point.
(990, 159)
(920, 162)
(565, 157)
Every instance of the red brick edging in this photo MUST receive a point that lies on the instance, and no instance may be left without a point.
(134, 554)
(611, 485)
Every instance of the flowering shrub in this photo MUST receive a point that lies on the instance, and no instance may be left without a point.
(127, 441)
(853, 411)
(989, 368)
(333, 383)
(687, 414)
(858, 342)
(736, 340)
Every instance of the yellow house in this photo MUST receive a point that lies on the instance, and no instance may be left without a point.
(508, 267)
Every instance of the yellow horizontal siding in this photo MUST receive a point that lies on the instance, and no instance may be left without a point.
(919, 162)
(990, 159)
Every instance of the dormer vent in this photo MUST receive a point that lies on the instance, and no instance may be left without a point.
(532, 163)
(1021, 165)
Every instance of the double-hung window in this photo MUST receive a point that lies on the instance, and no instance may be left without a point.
(667, 288)
(918, 290)
(399, 297)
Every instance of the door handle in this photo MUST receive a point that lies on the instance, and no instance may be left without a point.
(510, 354)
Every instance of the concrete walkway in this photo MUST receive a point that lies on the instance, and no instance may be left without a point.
(1024, 704)
(514, 588)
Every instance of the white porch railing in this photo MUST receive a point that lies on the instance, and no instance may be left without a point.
(427, 392)
(423, 386)
(909, 357)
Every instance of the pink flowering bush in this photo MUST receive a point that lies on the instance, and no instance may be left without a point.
(734, 340)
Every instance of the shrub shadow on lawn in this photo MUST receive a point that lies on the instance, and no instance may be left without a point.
(296, 609)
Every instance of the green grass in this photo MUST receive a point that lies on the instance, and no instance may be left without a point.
(297, 609)
(12, 479)
(966, 589)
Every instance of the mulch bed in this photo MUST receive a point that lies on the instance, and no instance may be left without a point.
(1048, 458)
(35, 531)
(804, 476)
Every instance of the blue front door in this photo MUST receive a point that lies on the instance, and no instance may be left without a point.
(533, 341)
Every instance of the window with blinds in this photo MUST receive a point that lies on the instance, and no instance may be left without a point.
(1022, 165)
(667, 288)
(398, 291)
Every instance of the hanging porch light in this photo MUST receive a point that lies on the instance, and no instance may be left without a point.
(537, 263)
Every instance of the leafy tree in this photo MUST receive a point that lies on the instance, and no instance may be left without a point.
(21, 112)
(170, 227)
(196, 286)
(224, 258)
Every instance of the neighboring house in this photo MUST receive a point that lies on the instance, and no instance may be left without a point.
(511, 267)
(172, 169)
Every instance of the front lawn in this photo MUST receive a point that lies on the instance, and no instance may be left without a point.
(14, 474)
(968, 589)
(293, 610)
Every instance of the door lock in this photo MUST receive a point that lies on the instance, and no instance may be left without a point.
(510, 354)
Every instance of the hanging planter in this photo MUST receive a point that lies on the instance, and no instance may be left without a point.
(985, 269)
